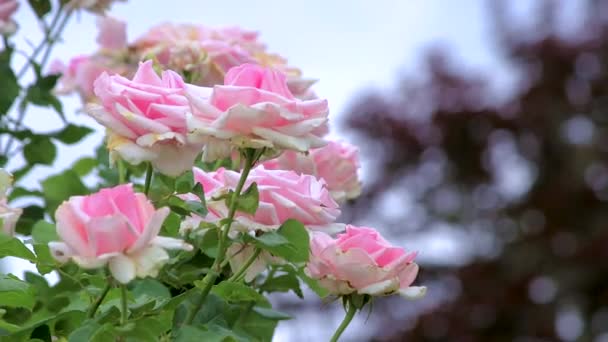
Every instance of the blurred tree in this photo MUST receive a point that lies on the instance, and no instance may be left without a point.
(523, 182)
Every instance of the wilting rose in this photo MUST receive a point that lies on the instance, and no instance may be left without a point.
(146, 118)
(8, 215)
(283, 195)
(114, 226)
(337, 163)
(7, 9)
(112, 33)
(254, 108)
(360, 260)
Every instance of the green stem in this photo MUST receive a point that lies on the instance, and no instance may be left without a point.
(245, 266)
(123, 304)
(215, 270)
(149, 172)
(121, 172)
(350, 313)
(47, 40)
(97, 303)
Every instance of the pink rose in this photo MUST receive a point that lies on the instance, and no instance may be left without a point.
(7, 9)
(360, 260)
(80, 74)
(282, 194)
(336, 163)
(254, 108)
(8, 216)
(114, 226)
(206, 62)
(146, 118)
(112, 33)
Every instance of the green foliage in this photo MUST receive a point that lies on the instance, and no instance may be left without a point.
(72, 134)
(40, 150)
(16, 293)
(59, 187)
(8, 82)
(236, 292)
(40, 7)
(248, 201)
(11, 246)
(290, 242)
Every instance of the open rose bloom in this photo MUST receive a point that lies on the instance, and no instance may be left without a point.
(255, 108)
(361, 261)
(8, 215)
(146, 119)
(283, 195)
(116, 227)
(336, 163)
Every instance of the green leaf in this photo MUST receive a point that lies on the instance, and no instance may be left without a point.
(270, 239)
(40, 7)
(8, 82)
(290, 241)
(210, 243)
(40, 151)
(284, 283)
(44, 232)
(16, 293)
(186, 207)
(271, 314)
(41, 94)
(248, 201)
(84, 166)
(72, 134)
(94, 332)
(11, 246)
(45, 263)
(236, 292)
(184, 183)
(189, 333)
(23, 192)
(171, 225)
(30, 215)
(60, 187)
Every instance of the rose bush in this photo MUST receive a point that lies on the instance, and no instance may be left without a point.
(192, 116)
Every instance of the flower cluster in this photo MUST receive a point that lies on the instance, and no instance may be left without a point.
(201, 54)
(184, 91)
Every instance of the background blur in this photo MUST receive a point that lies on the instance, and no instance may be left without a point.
(483, 127)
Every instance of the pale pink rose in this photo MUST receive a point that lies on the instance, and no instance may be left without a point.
(8, 215)
(80, 74)
(7, 9)
(206, 62)
(112, 33)
(114, 226)
(283, 195)
(337, 163)
(146, 118)
(169, 33)
(360, 260)
(255, 108)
